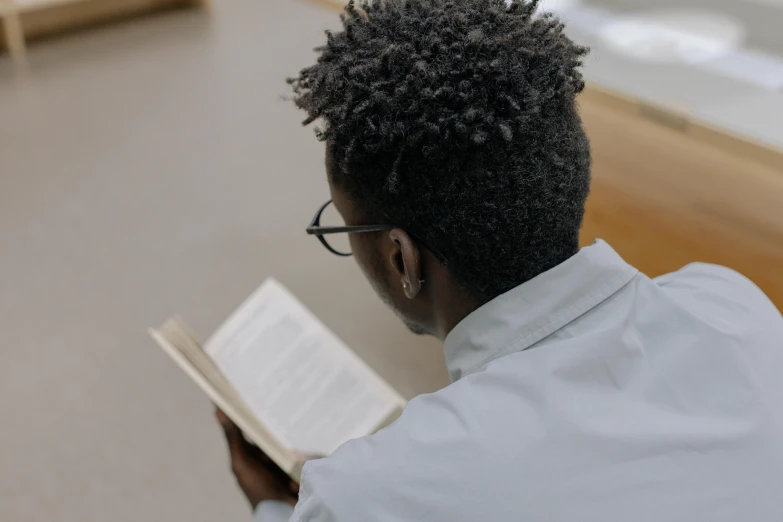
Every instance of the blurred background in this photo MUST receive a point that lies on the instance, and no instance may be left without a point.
(150, 165)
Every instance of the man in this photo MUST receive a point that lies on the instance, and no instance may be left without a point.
(582, 390)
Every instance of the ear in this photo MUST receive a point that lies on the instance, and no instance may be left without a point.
(406, 262)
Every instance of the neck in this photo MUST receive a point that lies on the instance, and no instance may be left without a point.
(452, 317)
(451, 303)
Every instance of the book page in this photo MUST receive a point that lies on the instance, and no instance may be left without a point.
(175, 338)
(299, 379)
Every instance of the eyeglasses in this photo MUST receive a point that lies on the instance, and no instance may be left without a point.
(337, 243)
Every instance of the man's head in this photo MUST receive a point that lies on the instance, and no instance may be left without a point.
(455, 121)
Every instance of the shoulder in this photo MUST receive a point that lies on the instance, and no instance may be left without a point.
(718, 285)
(705, 273)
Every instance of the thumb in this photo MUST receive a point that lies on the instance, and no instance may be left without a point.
(237, 445)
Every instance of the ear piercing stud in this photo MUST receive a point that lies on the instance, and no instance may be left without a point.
(406, 286)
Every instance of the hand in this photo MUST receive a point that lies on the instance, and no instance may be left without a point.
(258, 477)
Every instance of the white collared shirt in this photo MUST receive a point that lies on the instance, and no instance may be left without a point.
(588, 394)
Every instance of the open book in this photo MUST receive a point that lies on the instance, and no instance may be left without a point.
(285, 379)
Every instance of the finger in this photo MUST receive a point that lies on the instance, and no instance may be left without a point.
(235, 435)
(238, 447)
(224, 420)
(221, 417)
(256, 452)
(231, 429)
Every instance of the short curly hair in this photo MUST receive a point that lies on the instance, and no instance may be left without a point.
(456, 119)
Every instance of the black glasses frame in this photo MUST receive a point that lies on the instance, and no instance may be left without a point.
(315, 229)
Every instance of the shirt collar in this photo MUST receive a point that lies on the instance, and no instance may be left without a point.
(518, 319)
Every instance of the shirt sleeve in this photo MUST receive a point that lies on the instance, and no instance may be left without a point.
(351, 485)
(310, 508)
(273, 511)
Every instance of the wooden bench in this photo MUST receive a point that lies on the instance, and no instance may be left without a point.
(23, 19)
(669, 190)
